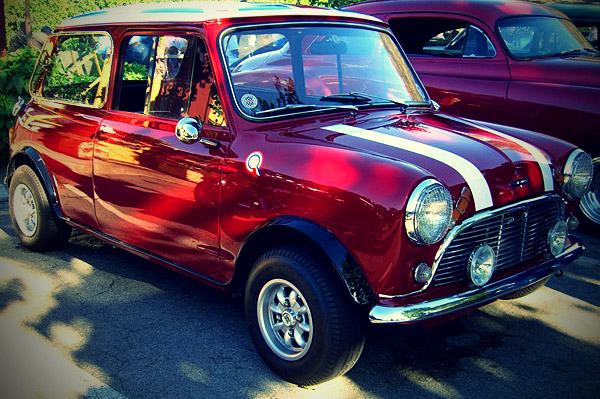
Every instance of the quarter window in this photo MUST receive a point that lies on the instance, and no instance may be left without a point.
(170, 77)
(74, 68)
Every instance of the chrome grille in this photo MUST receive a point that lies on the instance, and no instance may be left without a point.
(516, 234)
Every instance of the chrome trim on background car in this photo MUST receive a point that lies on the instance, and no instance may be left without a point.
(476, 297)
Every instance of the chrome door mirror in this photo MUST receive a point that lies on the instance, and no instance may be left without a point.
(188, 130)
(435, 106)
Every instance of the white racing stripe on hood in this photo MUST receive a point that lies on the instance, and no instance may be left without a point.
(535, 152)
(469, 172)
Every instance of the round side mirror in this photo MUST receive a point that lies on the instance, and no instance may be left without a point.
(188, 130)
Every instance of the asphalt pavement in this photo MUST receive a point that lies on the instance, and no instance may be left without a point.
(92, 321)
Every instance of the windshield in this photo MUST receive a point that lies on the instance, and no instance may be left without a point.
(541, 37)
(283, 70)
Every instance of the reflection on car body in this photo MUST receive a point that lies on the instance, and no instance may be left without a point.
(296, 162)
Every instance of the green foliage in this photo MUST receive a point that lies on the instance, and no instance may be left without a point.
(15, 70)
(332, 3)
(134, 71)
(52, 13)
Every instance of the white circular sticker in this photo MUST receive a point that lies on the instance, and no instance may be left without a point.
(249, 101)
(253, 163)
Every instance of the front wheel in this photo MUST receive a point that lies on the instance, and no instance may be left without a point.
(527, 290)
(301, 320)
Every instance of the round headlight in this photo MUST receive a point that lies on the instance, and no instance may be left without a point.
(557, 237)
(428, 212)
(482, 264)
(577, 173)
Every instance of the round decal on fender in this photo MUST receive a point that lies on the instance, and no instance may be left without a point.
(249, 101)
(253, 163)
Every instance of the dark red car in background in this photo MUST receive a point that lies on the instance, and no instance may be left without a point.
(507, 62)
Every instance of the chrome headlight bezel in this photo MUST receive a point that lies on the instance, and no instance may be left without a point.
(416, 208)
(573, 187)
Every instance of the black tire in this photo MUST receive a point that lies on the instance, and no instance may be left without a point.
(336, 325)
(527, 290)
(42, 231)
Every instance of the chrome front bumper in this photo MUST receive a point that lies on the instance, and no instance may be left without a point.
(473, 298)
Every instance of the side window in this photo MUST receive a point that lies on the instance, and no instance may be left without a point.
(136, 70)
(442, 37)
(74, 68)
(205, 103)
(169, 76)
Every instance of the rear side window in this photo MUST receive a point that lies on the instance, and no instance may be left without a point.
(442, 37)
(74, 68)
(168, 76)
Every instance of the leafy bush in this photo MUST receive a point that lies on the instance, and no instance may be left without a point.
(15, 70)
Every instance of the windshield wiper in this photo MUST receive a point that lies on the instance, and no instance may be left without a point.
(579, 51)
(362, 99)
(292, 108)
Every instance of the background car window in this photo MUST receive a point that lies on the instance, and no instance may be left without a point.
(443, 37)
(169, 76)
(74, 68)
(540, 37)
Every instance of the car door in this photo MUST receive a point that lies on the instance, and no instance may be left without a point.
(68, 88)
(458, 60)
(154, 191)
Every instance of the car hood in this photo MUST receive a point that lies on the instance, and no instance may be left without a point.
(579, 70)
(498, 168)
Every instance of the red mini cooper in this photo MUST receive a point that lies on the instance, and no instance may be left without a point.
(292, 156)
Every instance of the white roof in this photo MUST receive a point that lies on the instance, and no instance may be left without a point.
(198, 12)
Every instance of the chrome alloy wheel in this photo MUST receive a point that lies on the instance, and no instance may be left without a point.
(590, 203)
(284, 319)
(25, 210)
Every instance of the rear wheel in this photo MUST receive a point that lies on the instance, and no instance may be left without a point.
(301, 320)
(35, 224)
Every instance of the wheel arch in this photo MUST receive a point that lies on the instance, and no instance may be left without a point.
(287, 230)
(30, 157)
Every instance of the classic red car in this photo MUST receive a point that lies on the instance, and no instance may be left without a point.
(159, 129)
(508, 62)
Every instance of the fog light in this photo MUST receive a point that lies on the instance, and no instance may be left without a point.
(572, 222)
(422, 273)
(482, 263)
(557, 238)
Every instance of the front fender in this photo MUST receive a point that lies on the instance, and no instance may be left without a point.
(318, 237)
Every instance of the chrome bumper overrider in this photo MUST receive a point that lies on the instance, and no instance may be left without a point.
(443, 306)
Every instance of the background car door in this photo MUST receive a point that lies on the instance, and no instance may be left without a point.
(153, 191)
(459, 62)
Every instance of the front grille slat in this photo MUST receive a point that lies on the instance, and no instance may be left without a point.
(516, 235)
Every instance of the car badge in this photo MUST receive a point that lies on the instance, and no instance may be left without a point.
(253, 163)
(519, 183)
(249, 101)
